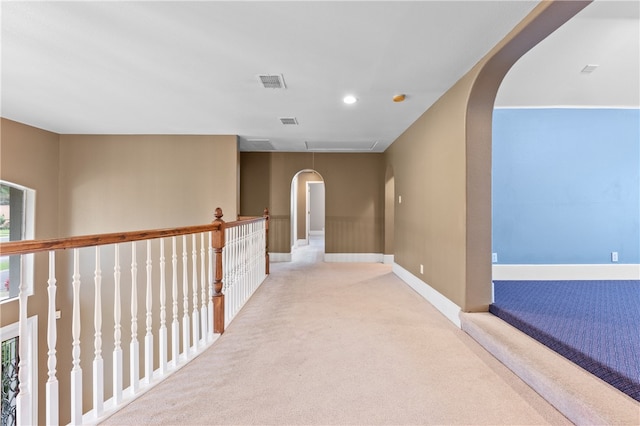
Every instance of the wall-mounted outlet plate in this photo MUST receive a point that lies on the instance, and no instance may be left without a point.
(494, 257)
(614, 256)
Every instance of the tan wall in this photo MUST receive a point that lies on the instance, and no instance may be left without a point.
(162, 181)
(29, 157)
(122, 183)
(354, 197)
(442, 169)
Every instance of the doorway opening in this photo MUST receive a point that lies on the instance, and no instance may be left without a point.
(307, 210)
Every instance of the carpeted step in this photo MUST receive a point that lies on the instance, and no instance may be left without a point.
(579, 395)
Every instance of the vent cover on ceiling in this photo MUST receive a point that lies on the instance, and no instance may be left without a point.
(272, 81)
(589, 69)
(256, 145)
(352, 146)
(289, 120)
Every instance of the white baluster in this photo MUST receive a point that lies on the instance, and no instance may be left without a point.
(203, 284)
(175, 325)
(209, 299)
(226, 254)
(98, 367)
(194, 279)
(162, 333)
(52, 417)
(23, 399)
(117, 334)
(185, 299)
(134, 351)
(76, 371)
(148, 338)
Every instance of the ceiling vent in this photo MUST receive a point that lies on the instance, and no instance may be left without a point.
(272, 81)
(352, 146)
(288, 121)
(256, 145)
(589, 69)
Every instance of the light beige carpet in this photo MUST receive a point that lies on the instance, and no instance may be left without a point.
(338, 343)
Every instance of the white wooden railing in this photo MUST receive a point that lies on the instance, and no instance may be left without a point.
(222, 264)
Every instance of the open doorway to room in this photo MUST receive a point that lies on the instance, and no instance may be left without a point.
(565, 195)
(307, 210)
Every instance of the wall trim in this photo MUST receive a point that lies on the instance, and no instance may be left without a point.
(354, 257)
(449, 309)
(584, 272)
(279, 257)
(388, 259)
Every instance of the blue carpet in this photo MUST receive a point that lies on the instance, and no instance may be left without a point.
(595, 324)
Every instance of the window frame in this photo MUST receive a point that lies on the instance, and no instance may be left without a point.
(27, 221)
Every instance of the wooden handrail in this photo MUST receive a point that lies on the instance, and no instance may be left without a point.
(243, 221)
(35, 246)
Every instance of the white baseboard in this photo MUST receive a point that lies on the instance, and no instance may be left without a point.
(388, 259)
(567, 272)
(440, 302)
(354, 257)
(316, 232)
(279, 257)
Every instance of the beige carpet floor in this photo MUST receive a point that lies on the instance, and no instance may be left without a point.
(340, 343)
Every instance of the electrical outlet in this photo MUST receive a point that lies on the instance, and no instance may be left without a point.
(494, 257)
(421, 268)
(614, 256)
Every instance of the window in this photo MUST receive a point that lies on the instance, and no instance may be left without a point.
(17, 218)
(11, 343)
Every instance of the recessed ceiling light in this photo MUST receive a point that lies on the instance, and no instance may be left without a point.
(350, 99)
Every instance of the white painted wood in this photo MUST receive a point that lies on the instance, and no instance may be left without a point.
(175, 324)
(148, 338)
(23, 399)
(203, 286)
(281, 257)
(117, 330)
(195, 317)
(162, 332)
(440, 302)
(210, 281)
(354, 257)
(76, 371)
(134, 347)
(98, 367)
(566, 272)
(52, 397)
(185, 300)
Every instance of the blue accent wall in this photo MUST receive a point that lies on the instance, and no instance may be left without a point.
(566, 185)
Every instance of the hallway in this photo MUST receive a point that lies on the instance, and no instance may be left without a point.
(340, 343)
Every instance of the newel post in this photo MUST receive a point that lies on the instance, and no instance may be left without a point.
(266, 239)
(218, 298)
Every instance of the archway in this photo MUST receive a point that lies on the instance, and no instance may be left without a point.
(307, 209)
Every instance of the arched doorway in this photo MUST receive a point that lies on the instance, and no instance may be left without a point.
(307, 209)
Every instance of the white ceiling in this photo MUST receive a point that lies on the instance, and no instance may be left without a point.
(177, 67)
